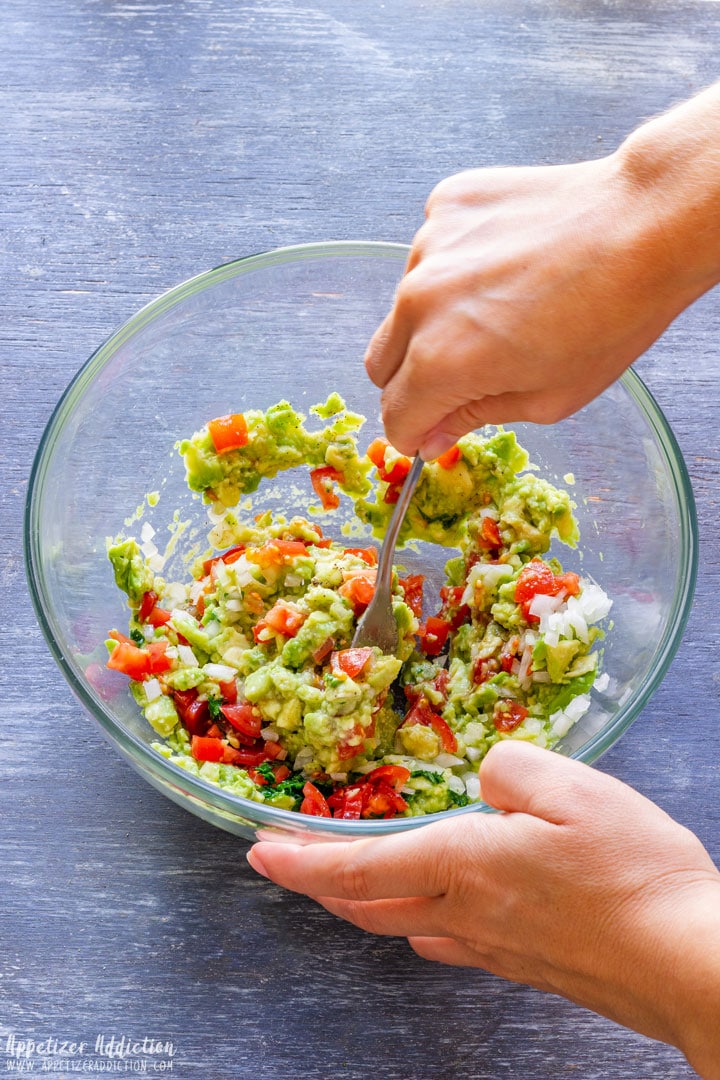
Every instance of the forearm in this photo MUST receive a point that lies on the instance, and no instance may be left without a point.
(674, 161)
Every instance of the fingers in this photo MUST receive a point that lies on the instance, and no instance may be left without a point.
(390, 918)
(397, 866)
(518, 777)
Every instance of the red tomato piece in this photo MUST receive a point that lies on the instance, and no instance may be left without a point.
(131, 661)
(159, 616)
(207, 749)
(382, 801)
(284, 618)
(433, 634)
(230, 556)
(147, 603)
(392, 494)
(490, 534)
(376, 452)
(194, 714)
(157, 660)
(359, 591)
(484, 669)
(347, 803)
(508, 715)
(314, 802)
(245, 758)
(244, 718)
(569, 582)
(397, 471)
(276, 552)
(228, 432)
(536, 577)
(394, 775)
(369, 555)
(351, 661)
(229, 691)
(422, 713)
(449, 458)
(412, 587)
(322, 481)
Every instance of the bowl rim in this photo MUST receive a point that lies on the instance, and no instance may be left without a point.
(163, 771)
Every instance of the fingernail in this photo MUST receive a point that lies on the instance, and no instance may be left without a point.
(436, 445)
(256, 862)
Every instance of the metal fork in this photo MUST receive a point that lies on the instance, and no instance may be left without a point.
(378, 625)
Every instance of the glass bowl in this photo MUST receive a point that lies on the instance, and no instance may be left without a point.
(294, 323)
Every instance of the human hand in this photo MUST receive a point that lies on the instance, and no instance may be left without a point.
(581, 887)
(527, 292)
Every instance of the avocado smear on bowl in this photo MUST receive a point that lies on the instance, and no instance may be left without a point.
(247, 673)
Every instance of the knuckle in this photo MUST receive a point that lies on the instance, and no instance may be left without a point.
(354, 879)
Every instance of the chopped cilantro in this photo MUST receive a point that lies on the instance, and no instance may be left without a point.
(214, 706)
(457, 798)
(265, 769)
(138, 637)
(433, 777)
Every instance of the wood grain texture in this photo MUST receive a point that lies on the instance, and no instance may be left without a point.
(145, 141)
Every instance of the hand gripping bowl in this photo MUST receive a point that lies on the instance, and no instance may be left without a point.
(294, 324)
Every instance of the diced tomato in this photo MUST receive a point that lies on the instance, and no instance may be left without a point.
(324, 650)
(282, 772)
(322, 481)
(484, 669)
(200, 605)
(244, 758)
(274, 750)
(508, 653)
(441, 681)
(359, 590)
(130, 660)
(394, 775)
(369, 555)
(284, 618)
(207, 749)
(214, 732)
(228, 432)
(452, 610)
(536, 577)
(314, 802)
(195, 714)
(376, 452)
(159, 616)
(397, 471)
(449, 458)
(412, 587)
(276, 552)
(157, 659)
(508, 715)
(422, 713)
(489, 537)
(433, 634)
(230, 556)
(351, 661)
(244, 718)
(392, 494)
(147, 603)
(348, 750)
(347, 803)
(382, 801)
(117, 636)
(229, 691)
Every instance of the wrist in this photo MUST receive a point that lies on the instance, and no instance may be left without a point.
(670, 167)
(694, 1014)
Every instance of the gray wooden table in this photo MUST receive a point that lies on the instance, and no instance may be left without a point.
(145, 141)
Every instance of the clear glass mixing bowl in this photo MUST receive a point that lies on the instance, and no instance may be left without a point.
(294, 324)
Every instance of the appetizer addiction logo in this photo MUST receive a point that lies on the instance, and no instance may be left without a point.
(107, 1054)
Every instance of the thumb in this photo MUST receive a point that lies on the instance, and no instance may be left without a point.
(519, 777)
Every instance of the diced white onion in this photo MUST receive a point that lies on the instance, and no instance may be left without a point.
(473, 753)
(147, 532)
(219, 672)
(196, 590)
(602, 682)
(221, 572)
(594, 603)
(339, 777)
(472, 785)
(525, 664)
(562, 720)
(489, 574)
(174, 595)
(213, 628)
(576, 619)
(152, 689)
(148, 632)
(156, 563)
(446, 761)
(455, 784)
(542, 605)
(270, 734)
(148, 549)
(187, 656)
(541, 677)
(171, 652)
(234, 605)
(292, 581)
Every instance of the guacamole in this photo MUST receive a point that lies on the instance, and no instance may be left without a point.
(247, 671)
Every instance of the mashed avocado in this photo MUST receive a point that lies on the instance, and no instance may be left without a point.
(247, 670)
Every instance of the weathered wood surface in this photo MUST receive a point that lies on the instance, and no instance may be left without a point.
(144, 142)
